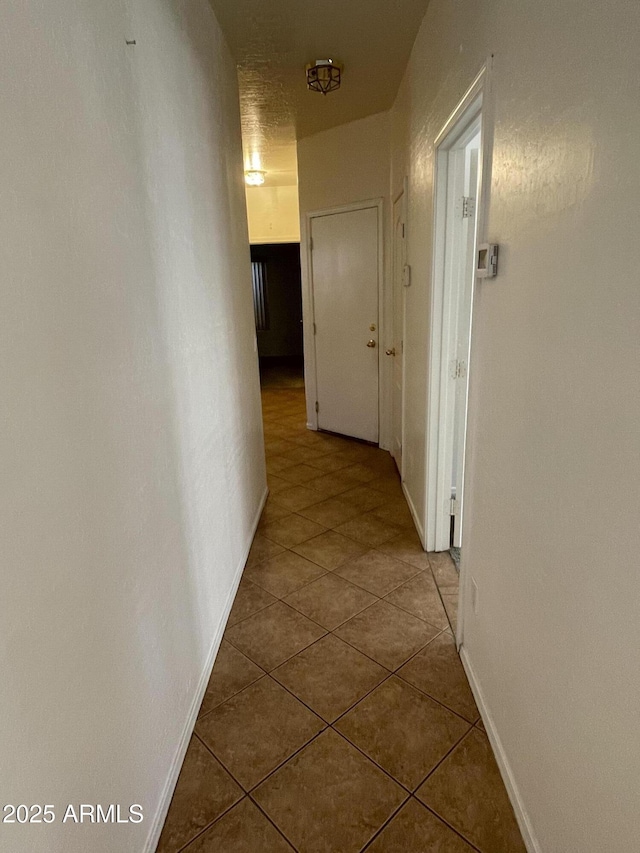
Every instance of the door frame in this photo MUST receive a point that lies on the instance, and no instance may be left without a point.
(308, 312)
(400, 196)
(474, 104)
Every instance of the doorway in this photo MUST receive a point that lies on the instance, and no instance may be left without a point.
(463, 176)
(345, 264)
(458, 184)
(277, 304)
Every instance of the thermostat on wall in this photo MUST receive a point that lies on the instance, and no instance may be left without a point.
(487, 260)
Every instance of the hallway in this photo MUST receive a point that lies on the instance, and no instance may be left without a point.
(338, 708)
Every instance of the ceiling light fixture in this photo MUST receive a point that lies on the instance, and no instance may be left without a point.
(255, 177)
(324, 76)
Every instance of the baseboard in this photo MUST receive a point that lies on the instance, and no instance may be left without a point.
(416, 519)
(530, 841)
(176, 764)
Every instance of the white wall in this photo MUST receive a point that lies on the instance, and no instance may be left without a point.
(131, 447)
(551, 533)
(346, 164)
(273, 214)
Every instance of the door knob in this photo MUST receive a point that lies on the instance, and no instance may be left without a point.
(371, 343)
(390, 351)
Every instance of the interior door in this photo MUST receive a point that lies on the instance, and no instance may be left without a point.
(397, 348)
(344, 253)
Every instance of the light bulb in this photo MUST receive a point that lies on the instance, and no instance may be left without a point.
(254, 177)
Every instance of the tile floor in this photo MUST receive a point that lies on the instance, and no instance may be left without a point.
(338, 717)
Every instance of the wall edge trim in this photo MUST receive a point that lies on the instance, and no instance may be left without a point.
(515, 797)
(414, 514)
(176, 765)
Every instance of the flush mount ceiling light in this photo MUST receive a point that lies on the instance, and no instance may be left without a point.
(255, 177)
(324, 76)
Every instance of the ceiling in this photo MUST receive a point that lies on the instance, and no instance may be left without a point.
(273, 40)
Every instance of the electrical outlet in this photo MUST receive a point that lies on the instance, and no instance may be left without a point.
(474, 596)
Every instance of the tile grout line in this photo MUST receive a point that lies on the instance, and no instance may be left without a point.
(285, 761)
(385, 824)
(340, 624)
(389, 674)
(446, 755)
(225, 811)
(331, 726)
(326, 726)
(400, 530)
(440, 594)
(337, 494)
(376, 548)
(246, 791)
(272, 822)
(334, 571)
(263, 671)
(451, 827)
(424, 692)
(418, 571)
(332, 632)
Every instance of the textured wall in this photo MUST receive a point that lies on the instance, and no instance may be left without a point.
(345, 164)
(551, 532)
(131, 438)
(273, 214)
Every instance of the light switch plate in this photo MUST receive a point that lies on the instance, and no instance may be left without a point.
(487, 260)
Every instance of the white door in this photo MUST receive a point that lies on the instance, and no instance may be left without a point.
(395, 351)
(344, 253)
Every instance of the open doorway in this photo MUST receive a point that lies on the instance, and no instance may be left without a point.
(277, 302)
(460, 148)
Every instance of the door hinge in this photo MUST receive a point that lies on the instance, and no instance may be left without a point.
(311, 244)
(403, 230)
(466, 207)
(454, 507)
(317, 407)
(315, 329)
(458, 369)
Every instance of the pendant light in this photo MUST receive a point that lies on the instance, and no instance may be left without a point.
(324, 76)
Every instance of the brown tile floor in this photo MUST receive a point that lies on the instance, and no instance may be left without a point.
(338, 717)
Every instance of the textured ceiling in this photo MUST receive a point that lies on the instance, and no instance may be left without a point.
(273, 40)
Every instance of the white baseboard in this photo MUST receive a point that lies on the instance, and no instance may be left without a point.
(178, 759)
(414, 514)
(530, 841)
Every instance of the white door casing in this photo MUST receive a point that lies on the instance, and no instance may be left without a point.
(461, 327)
(345, 284)
(455, 234)
(396, 350)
